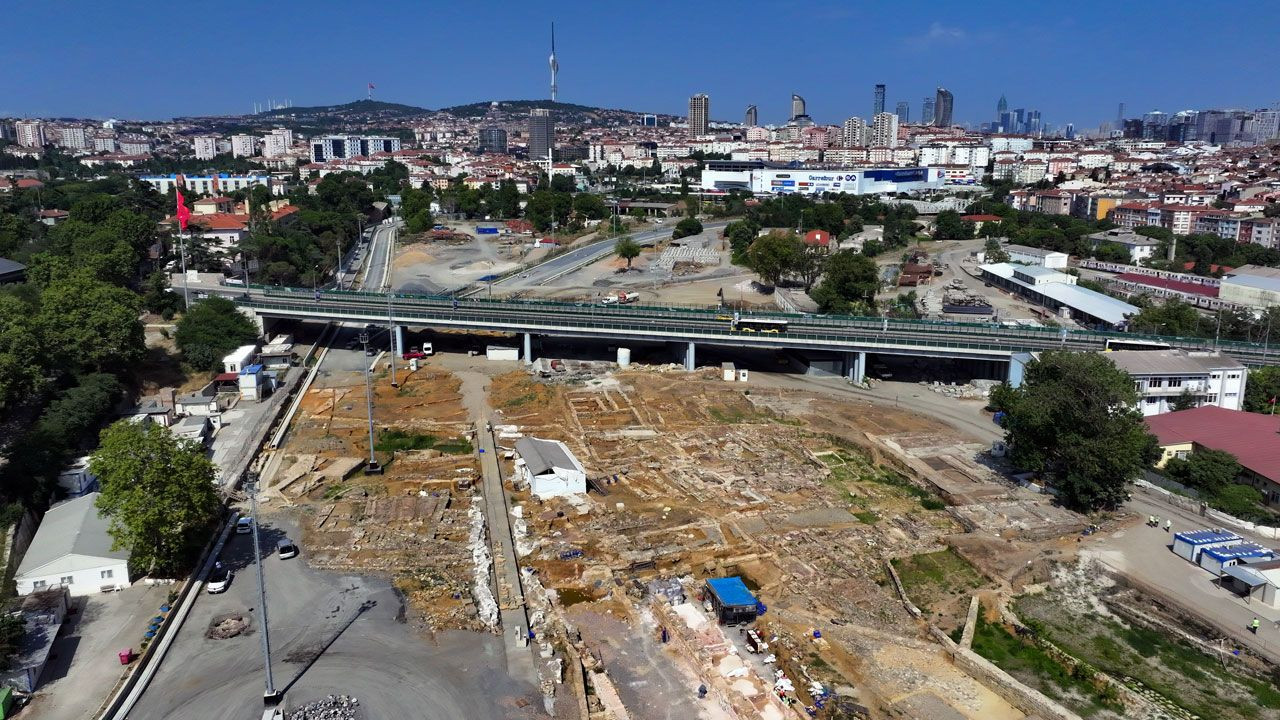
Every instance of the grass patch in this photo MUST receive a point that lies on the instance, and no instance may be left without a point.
(735, 416)
(867, 516)
(931, 577)
(850, 466)
(393, 440)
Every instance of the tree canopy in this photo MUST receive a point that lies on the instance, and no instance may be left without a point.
(686, 227)
(627, 249)
(1074, 421)
(210, 330)
(849, 284)
(158, 493)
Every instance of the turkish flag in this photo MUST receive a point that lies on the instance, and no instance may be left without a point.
(183, 213)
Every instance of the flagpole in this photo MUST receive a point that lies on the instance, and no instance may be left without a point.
(186, 291)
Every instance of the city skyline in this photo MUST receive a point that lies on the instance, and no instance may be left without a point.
(93, 78)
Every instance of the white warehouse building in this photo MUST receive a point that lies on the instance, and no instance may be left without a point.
(760, 178)
(550, 468)
(72, 549)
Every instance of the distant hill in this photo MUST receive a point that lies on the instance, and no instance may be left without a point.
(376, 108)
(566, 112)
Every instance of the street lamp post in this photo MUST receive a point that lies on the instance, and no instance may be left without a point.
(373, 468)
(391, 339)
(271, 697)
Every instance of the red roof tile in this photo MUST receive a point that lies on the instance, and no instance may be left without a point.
(1251, 437)
(1179, 285)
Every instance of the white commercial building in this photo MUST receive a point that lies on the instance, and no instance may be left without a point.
(1139, 247)
(1024, 255)
(205, 147)
(243, 145)
(759, 178)
(1163, 376)
(207, 184)
(549, 468)
(72, 549)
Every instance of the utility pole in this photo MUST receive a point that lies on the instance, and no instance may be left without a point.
(391, 337)
(272, 696)
(373, 468)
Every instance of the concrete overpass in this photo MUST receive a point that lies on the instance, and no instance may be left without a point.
(850, 337)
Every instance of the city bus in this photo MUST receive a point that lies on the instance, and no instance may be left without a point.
(759, 325)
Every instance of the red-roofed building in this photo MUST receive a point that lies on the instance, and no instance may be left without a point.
(820, 238)
(1251, 437)
(980, 220)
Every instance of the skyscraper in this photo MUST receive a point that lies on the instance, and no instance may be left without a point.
(699, 113)
(884, 130)
(877, 105)
(797, 106)
(555, 66)
(752, 118)
(30, 133)
(493, 140)
(926, 111)
(903, 111)
(542, 135)
(1001, 107)
(942, 108)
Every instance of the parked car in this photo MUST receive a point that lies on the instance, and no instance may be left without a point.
(219, 580)
(286, 549)
(413, 353)
(244, 526)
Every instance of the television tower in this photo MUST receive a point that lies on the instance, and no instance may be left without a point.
(555, 66)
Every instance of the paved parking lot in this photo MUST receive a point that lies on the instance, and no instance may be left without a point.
(83, 667)
(329, 634)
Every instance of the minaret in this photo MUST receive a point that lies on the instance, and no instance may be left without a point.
(555, 66)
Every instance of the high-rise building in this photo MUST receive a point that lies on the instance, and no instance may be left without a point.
(243, 145)
(649, 120)
(1034, 126)
(877, 105)
(942, 108)
(1001, 107)
(205, 147)
(797, 106)
(73, 138)
(334, 147)
(884, 130)
(1007, 122)
(542, 135)
(30, 133)
(854, 133)
(903, 111)
(1070, 132)
(926, 111)
(753, 118)
(699, 114)
(493, 140)
(1120, 115)
(273, 146)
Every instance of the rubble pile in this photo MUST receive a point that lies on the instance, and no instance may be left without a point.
(973, 390)
(333, 707)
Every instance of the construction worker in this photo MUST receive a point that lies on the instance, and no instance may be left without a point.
(1151, 521)
(1168, 524)
(1253, 626)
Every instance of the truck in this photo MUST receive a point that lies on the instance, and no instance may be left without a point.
(620, 297)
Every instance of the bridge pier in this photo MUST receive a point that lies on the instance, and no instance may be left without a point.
(689, 359)
(528, 348)
(855, 367)
(398, 339)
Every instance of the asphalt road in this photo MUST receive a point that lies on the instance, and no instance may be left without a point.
(547, 271)
(329, 634)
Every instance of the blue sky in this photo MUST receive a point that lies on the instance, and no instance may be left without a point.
(1073, 61)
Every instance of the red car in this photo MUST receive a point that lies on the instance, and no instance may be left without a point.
(412, 354)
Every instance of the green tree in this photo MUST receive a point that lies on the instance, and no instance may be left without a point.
(1073, 421)
(1209, 471)
(949, 226)
(90, 324)
(1237, 500)
(1262, 388)
(1185, 401)
(627, 249)
(775, 255)
(1171, 317)
(686, 227)
(993, 252)
(158, 493)
(589, 206)
(12, 630)
(22, 356)
(741, 234)
(849, 284)
(210, 330)
(158, 297)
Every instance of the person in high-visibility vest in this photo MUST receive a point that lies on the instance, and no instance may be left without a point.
(1167, 525)
(1253, 626)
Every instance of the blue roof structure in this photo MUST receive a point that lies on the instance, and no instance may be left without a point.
(1202, 537)
(731, 591)
(251, 369)
(1233, 552)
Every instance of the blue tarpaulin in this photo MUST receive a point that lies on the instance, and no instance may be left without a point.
(732, 591)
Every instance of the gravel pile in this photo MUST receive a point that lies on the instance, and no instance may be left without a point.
(333, 707)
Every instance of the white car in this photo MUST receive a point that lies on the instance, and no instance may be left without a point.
(219, 581)
(244, 525)
(287, 549)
